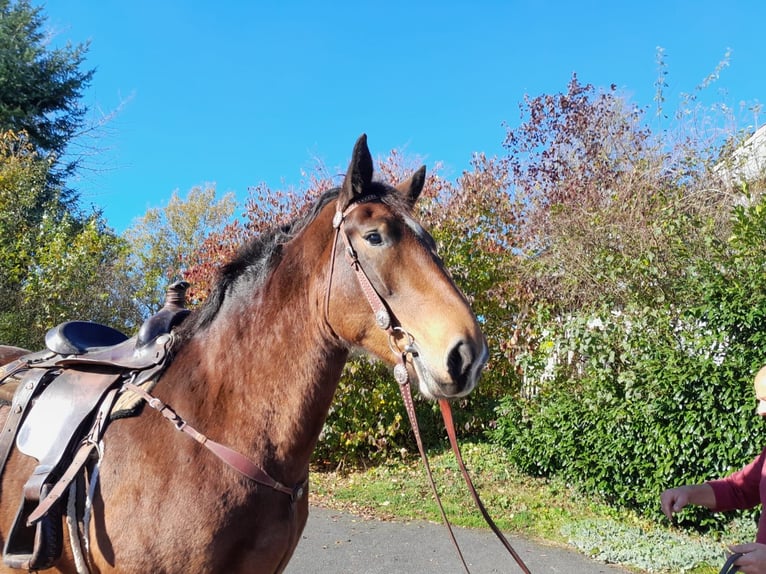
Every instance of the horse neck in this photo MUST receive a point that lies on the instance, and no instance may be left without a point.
(262, 376)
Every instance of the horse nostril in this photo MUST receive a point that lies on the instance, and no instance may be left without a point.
(459, 362)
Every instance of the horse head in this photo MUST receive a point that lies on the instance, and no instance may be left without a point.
(408, 305)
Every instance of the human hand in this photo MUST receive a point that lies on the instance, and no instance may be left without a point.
(753, 559)
(674, 499)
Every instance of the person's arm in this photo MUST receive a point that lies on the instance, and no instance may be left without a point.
(675, 499)
(741, 489)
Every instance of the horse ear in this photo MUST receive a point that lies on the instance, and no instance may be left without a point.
(359, 174)
(412, 187)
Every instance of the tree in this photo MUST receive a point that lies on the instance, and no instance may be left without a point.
(164, 241)
(53, 266)
(40, 87)
(611, 211)
(474, 221)
(22, 175)
(264, 209)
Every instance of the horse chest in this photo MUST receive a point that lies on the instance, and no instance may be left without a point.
(217, 522)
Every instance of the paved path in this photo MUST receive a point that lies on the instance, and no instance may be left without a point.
(336, 542)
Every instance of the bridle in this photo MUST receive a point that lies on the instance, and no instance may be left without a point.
(397, 335)
(379, 308)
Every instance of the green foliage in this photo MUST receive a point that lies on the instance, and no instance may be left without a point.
(165, 241)
(40, 87)
(69, 275)
(365, 421)
(638, 401)
(651, 550)
(53, 265)
(619, 281)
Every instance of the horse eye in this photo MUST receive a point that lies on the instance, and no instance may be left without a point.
(374, 238)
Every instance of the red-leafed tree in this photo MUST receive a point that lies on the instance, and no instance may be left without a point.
(607, 205)
(266, 208)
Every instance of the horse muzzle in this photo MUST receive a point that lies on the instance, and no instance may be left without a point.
(457, 376)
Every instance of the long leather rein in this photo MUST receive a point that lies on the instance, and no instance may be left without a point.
(397, 334)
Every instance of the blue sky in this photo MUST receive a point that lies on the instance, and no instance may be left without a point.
(237, 93)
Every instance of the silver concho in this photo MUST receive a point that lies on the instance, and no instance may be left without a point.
(383, 319)
(400, 374)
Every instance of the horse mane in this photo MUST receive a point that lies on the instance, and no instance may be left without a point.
(257, 257)
(253, 262)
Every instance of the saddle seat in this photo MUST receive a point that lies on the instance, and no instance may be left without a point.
(88, 343)
(78, 337)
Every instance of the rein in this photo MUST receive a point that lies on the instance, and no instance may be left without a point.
(383, 320)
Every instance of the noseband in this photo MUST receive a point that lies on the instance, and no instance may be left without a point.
(397, 335)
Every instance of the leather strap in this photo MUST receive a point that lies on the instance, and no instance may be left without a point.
(13, 367)
(450, 426)
(382, 315)
(235, 460)
(26, 390)
(404, 389)
(729, 567)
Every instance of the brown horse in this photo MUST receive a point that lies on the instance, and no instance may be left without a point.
(256, 368)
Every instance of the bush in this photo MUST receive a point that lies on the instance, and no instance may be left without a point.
(615, 543)
(637, 401)
(368, 423)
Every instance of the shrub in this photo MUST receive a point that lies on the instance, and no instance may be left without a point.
(640, 400)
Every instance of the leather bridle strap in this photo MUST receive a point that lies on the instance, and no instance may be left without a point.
(450, 426)
(383, 320)
(404, 388)
(382, 315)
(235, 460)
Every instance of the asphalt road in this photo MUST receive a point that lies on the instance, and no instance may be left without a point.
(336, 542)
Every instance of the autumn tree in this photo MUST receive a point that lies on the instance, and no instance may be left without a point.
(265, 209)
(611, 212)
(165, 241)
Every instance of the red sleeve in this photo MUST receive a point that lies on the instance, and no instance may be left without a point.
(741, 489)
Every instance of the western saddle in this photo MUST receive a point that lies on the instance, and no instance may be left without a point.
(59, 402)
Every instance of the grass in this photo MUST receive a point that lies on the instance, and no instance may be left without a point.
(545, 510)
